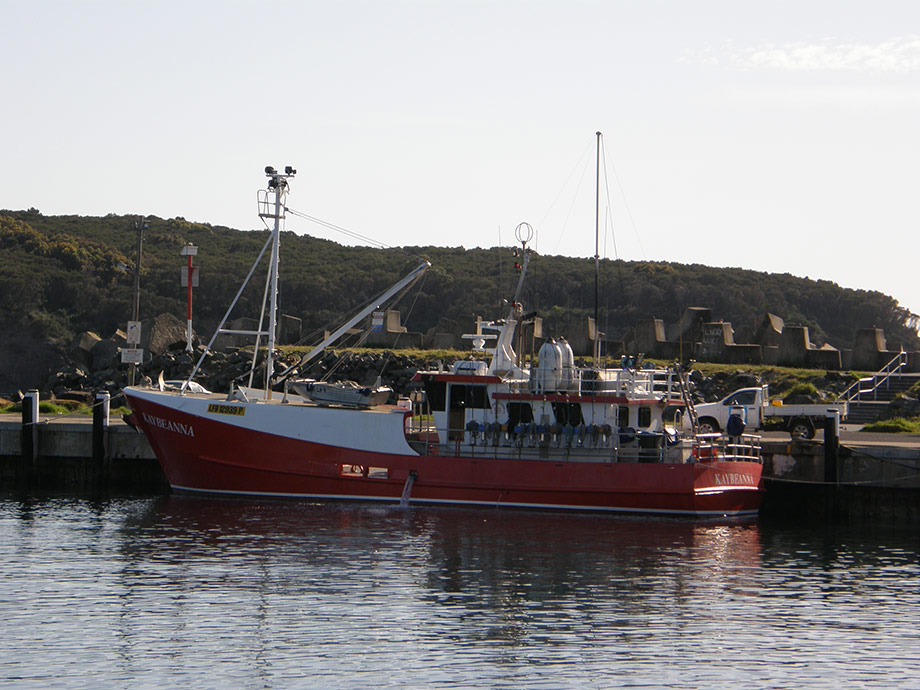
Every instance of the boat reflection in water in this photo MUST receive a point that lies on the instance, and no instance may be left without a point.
(494, 563)
(198, 592)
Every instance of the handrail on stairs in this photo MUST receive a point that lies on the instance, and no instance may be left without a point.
(870, 384)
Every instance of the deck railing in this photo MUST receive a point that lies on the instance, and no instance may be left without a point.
(743, 448)
(610, 445)
(647, 382)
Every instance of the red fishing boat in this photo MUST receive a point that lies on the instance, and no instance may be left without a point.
(492, 430)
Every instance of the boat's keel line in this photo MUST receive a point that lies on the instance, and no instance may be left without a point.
(489, 504)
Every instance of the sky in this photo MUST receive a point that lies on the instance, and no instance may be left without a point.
(775, 136)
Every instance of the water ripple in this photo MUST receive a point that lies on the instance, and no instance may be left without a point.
(225, 593)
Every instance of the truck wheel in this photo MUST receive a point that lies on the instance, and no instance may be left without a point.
(708, 425)
(801, 428)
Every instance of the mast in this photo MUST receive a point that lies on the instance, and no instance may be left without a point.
(597, 258)
(279, 184)
(271, 205)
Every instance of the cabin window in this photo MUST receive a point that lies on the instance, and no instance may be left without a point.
(671, 414)
(519, 413)
(436, 394)
(645, 417)
(742, 398)
(568, 413)
(623, 416)
(468, 397)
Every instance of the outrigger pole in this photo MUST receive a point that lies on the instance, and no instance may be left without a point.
(353, 321)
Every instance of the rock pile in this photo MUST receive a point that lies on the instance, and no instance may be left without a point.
(96, 365)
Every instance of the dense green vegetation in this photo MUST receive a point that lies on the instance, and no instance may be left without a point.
(63, 274)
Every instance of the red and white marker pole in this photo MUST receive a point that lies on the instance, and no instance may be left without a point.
(189, 250)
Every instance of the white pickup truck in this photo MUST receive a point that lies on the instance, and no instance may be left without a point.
(756, 410)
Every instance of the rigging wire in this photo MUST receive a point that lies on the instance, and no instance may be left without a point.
(608, 218)
(629, 214)
(361, 338)
(579, 164)
(345, 231)
(568, 216)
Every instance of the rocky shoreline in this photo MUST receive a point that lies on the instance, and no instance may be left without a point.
(91, 364)
(78, 380)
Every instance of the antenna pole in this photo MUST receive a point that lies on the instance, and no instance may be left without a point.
(272, 313)
(597, 257)
(277, 183)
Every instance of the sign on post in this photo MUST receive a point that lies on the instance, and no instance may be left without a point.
(183, 280)
(132, 355)
(134, 333)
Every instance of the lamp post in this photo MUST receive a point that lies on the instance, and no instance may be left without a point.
(139, 226)
(134, 326)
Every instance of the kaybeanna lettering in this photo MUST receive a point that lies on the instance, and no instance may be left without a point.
(175, 427)
(235, 410)
(733, 479)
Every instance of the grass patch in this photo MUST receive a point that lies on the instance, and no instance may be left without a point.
(63, 407)
(895, 425)
(425, 357)
(44, 407)
(805, 388)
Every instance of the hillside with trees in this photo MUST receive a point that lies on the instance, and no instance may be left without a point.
(60, 275)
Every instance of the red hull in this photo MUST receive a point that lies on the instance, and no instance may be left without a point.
(223, 458)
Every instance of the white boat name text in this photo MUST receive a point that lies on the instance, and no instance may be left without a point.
(732, 479)
(175, 427)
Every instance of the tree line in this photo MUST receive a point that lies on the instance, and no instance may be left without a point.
(60, 275)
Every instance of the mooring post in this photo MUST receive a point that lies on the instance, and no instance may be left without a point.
(831, 436)
(29, 437)
(100, 427)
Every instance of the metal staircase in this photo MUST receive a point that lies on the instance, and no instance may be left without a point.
(868, 398)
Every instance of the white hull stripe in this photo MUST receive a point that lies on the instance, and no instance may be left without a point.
(723, 489)
(490, 504)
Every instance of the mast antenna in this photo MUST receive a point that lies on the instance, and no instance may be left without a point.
(597, 258)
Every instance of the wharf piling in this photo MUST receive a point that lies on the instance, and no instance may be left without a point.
(831, 445)
(29, 444)
(75, 454)
(838, 481)
(100, 465)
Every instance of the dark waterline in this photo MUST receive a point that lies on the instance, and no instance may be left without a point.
(183, 591)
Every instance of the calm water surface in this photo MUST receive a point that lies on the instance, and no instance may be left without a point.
(187, 592)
